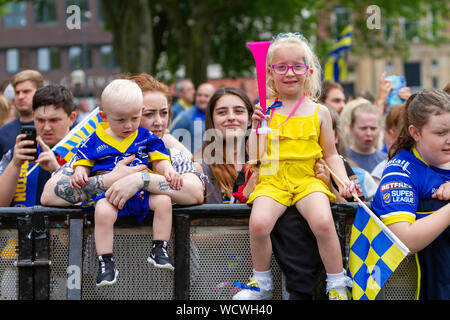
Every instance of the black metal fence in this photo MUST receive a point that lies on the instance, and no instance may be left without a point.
(49, 253)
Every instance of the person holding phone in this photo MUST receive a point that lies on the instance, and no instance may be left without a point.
(53, 115)
(30, 134)
(385, 88)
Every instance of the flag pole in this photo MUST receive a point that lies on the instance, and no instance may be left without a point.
(68, 135)
(377, 220)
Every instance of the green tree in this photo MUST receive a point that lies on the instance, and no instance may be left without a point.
(160, 36)
(215, 31)
(131, 25)
(259, 21)
(193, 33)
(194, 24)
(394, 16)
(2, 6)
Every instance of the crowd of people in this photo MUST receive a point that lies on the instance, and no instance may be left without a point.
(149, 153)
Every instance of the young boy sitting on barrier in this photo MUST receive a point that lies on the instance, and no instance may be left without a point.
(120, 136)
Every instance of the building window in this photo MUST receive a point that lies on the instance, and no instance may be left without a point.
(413, 75)
(434, 65)
(101, 15)
(15, 14)
(410, 30)
(388, 29)
(12, 60)
(434, 21)
(48, 59)
(389, 67)
(341, 20)
(17, 60)
(78, 60)
(108, 57)
(45, 12)
(435, 82)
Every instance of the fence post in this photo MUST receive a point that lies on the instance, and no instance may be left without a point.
(75, 271)
(25, 234)
(41, 263)
(182, 261)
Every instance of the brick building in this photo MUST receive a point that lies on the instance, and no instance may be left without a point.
(35, 35)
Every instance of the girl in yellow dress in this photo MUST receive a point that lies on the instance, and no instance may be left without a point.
(301, 134)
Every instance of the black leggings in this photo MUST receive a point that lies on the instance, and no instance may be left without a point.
(295, 249)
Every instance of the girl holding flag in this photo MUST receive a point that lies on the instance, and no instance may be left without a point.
(414, 192)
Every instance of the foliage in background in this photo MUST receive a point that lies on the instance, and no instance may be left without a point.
(162, 36)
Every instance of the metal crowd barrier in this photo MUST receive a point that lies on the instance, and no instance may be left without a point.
(49, 253)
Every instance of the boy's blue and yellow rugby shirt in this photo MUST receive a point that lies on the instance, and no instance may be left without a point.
(102, 152)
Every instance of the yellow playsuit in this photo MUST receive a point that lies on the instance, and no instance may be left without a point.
(287, 173)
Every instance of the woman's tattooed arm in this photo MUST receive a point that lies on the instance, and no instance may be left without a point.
(64, 190)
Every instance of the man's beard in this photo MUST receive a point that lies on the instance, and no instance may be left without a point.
(24, 113)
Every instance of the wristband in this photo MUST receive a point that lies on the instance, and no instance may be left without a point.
(145, 179)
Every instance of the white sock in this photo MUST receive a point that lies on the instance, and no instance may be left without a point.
(335, 276)
(264, 279)
(338, 282)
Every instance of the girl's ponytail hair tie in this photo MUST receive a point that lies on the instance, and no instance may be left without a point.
(289, 34)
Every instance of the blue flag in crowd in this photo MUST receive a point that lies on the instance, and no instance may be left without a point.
(68, 146)
(336, 62)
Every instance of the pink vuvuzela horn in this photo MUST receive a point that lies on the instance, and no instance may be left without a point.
(259, 50)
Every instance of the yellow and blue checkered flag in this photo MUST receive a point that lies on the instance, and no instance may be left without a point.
(335, 68)
(375, 253)
(68, 146)
(9, 252)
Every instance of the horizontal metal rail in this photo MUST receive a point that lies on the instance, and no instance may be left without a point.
(33, 225)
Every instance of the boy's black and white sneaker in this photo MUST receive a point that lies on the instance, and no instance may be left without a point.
(159, 256)
(107, 272)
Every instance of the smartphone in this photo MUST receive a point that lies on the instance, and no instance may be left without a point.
(30, 132)
(398, 82)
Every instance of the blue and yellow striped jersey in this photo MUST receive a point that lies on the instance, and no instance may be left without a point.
(102, 152)
(404, 195)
